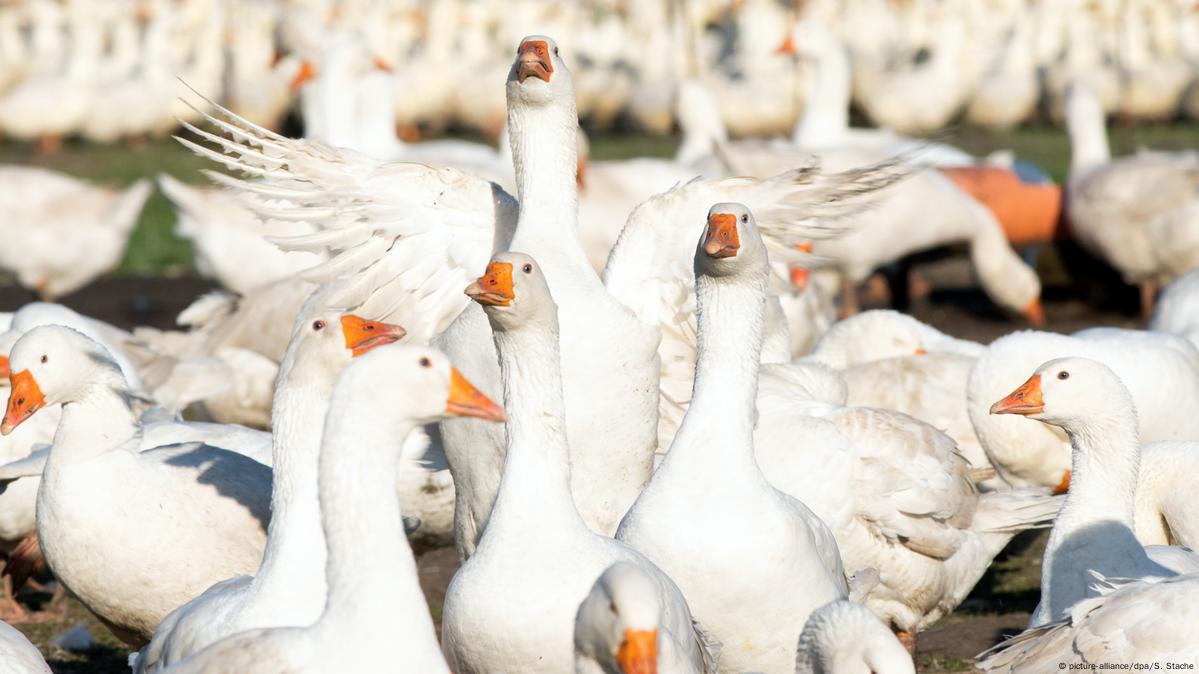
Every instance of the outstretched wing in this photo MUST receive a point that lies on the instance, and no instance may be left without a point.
(650, 269)
(404, 238)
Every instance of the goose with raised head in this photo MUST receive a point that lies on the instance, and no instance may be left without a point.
(371, 598)
(288, 587)
(1139, 213)
(1131, 623)
(621, 627)
(843, 637)
(54, 250)
(1094, 530)
(511, 606)
(192, 501)
(788, 560)
(18, 654)
(1160, 371)
(609, 358)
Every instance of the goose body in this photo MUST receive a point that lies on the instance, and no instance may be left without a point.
(690, 518)
(511, 606)
(843, 636)
(18, 654)
(55, 250)
(176, 513)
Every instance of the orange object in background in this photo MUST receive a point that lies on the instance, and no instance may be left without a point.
(1028, 211)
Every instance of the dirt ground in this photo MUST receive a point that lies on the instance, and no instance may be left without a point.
(1000, 604)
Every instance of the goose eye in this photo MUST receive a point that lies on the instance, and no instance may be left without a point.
(424, 362)
(555, 51)
(1063, 375)
(528, 269)
(612, 607)
(318, 325)
(45, 358)
(744, 217)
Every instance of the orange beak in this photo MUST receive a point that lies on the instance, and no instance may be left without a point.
(306, 72)
(533, 60)
(638, 653)
(787, 47)
(1034, 313)
(4, 371)
(24, 399)
(381, 64)
(363, 335)
(921, 351)
(581, 172)
(494, 287)
(722, 241)
(1063, 486)
(799, 275)
(1024, 400)
(467, 401)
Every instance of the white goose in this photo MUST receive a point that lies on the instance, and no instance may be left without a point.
(843, 636)
(620, 627)
(1161, 371)
(1165, 512)
(1094, 530)
(1135, 624)
(94, 458)
(359, 459)
(511, 605)
(605, 348)
(288, 587)
(54, 250)
(1176, 310)
(1139, 212)
(18, 654)
(788, 559)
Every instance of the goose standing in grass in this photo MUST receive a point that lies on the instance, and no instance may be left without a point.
(129, 581)
(843, 636)
(1094, 531)
(377, 401)
(61, 233)
(511, 606)
(1139, 213)
(788, 559)
(287, 588)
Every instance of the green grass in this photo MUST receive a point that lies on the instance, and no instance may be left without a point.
(153, 248)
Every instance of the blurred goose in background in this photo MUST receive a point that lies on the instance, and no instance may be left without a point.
(61, 233)
(1139, 213)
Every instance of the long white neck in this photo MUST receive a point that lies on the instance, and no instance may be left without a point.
(1104, 466)
(1088, 136)
(545, 156)
(99, 420)
(372, 575)
(534, 496)
(718, 427)
(294, 559)
(825, 119)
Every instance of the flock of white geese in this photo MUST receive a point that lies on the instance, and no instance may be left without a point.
(678, 464)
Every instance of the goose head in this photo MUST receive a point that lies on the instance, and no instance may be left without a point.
(730, 242)
(617, 624)
(845, 637)
(324, 340)
(539, 76)
(436, 389)
(54, 364)
(513, 292)
(1068, 392)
